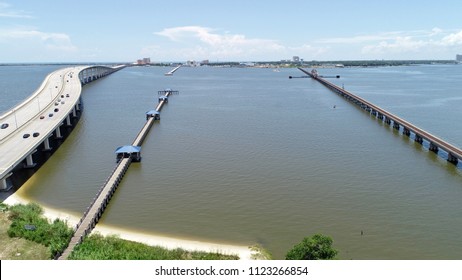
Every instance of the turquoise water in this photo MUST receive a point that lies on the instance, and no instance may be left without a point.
(249, 156)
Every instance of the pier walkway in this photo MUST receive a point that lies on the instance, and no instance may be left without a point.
(30, 124)
(104, 195)
(454, 154)
(170, 73)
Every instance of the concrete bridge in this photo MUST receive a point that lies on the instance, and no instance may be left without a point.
(27, 129)
(454, 154)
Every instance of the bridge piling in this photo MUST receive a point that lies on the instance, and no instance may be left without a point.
(433, 147)
(452, 159)
(406, 131)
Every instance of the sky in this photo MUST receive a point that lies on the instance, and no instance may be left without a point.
(45, 31)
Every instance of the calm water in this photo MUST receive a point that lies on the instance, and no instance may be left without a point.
(249, 156)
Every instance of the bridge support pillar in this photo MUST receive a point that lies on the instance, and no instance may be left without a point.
(4, 184)
(452, 159)
(77, 105)
(30, 161)
(47, 144)
(74, 112)
(406, 131)
(58, 133)
(433, 148)
(418, 139)
(395, 125)
(68, 120)
(387, 120)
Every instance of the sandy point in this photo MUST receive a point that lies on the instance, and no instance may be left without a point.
(243, 252)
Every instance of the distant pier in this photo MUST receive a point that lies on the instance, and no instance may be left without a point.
(170, 73)
(454, 154)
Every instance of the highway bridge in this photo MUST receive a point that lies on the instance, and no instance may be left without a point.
(27, 129)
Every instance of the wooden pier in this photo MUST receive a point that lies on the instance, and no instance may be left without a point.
(104, 195)
(454, 154)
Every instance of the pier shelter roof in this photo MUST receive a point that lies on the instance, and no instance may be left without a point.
(128, 149)
(152, 112)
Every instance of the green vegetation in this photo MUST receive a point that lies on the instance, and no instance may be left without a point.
(260, 253)
(97, 247)
(27, 222)
(26, 234)
(18, 248)
(317, 247)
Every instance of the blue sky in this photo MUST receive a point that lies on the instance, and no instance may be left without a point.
(238, 30)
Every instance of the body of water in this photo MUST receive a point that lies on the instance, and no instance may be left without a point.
(247, 156)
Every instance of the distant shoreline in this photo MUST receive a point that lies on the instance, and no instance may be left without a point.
(259, 64)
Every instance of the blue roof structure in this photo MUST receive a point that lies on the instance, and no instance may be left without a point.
(128, 149)
(152, 112)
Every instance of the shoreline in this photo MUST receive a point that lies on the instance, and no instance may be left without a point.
(243, 252)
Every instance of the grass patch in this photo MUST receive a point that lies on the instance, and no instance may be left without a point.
(97, 247)
(27, 222)
(18, 248)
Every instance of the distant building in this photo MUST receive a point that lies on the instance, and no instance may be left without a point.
(459, 58)
(143, 61)
(296, 59)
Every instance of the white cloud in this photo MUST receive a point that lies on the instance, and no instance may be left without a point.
(398, 45)
(50, 41)
(402, 44)
(7, 12)
(452, 39)
(30, 45)
(204, 42)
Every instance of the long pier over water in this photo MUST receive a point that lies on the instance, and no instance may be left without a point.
(454, 154)
(107, 190)
(27, 129)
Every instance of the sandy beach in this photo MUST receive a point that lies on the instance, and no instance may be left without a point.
(243, 252)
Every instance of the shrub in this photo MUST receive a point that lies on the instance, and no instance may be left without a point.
(317, 247)
(28, 223)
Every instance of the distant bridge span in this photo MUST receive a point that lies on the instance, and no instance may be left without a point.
(420, 135)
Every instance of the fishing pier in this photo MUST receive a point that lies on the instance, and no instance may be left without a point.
(454, 154)
(170, 73)
(125, 156)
